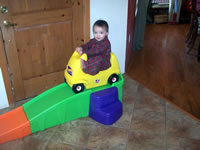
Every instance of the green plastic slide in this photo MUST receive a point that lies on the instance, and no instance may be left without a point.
(59, 105)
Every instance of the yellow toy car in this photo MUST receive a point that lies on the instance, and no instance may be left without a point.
(78, 80)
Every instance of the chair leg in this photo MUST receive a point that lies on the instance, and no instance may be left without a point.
(189, 34)
(193, 37)
(198, 54)
(193, 34)
(192, 41)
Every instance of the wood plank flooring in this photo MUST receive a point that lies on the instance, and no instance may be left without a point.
(164, 67)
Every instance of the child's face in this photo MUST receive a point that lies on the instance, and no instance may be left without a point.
(99, 33)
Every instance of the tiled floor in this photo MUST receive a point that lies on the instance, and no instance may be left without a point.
(148, 123)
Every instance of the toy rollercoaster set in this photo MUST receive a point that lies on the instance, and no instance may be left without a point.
(82, 95)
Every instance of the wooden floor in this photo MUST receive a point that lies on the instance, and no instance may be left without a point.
(164, 67)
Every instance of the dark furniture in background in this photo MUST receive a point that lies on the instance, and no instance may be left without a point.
(186, 11)
(193, 31)
(157, 13)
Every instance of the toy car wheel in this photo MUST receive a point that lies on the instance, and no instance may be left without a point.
(77, 88)
(113, 78)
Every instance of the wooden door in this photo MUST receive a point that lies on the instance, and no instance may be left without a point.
(39, 39)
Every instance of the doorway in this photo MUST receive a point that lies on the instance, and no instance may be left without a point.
(164, 67)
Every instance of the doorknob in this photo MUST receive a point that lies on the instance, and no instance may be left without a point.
(3, 9)
(8, 24)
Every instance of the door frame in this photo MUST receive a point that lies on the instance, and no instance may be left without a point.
(5, 73)
(4, 59)
(130, 31)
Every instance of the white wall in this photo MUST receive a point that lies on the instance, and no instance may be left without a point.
(3, 96)
(115, 12)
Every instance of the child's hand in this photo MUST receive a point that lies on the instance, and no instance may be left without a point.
(79, 50)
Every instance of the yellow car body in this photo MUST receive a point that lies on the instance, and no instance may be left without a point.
(74, 74)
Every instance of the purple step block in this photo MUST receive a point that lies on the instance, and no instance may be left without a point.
(105, 106)
(104, 98)
(107, 115)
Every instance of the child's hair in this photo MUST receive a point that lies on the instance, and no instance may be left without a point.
(101, 23)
